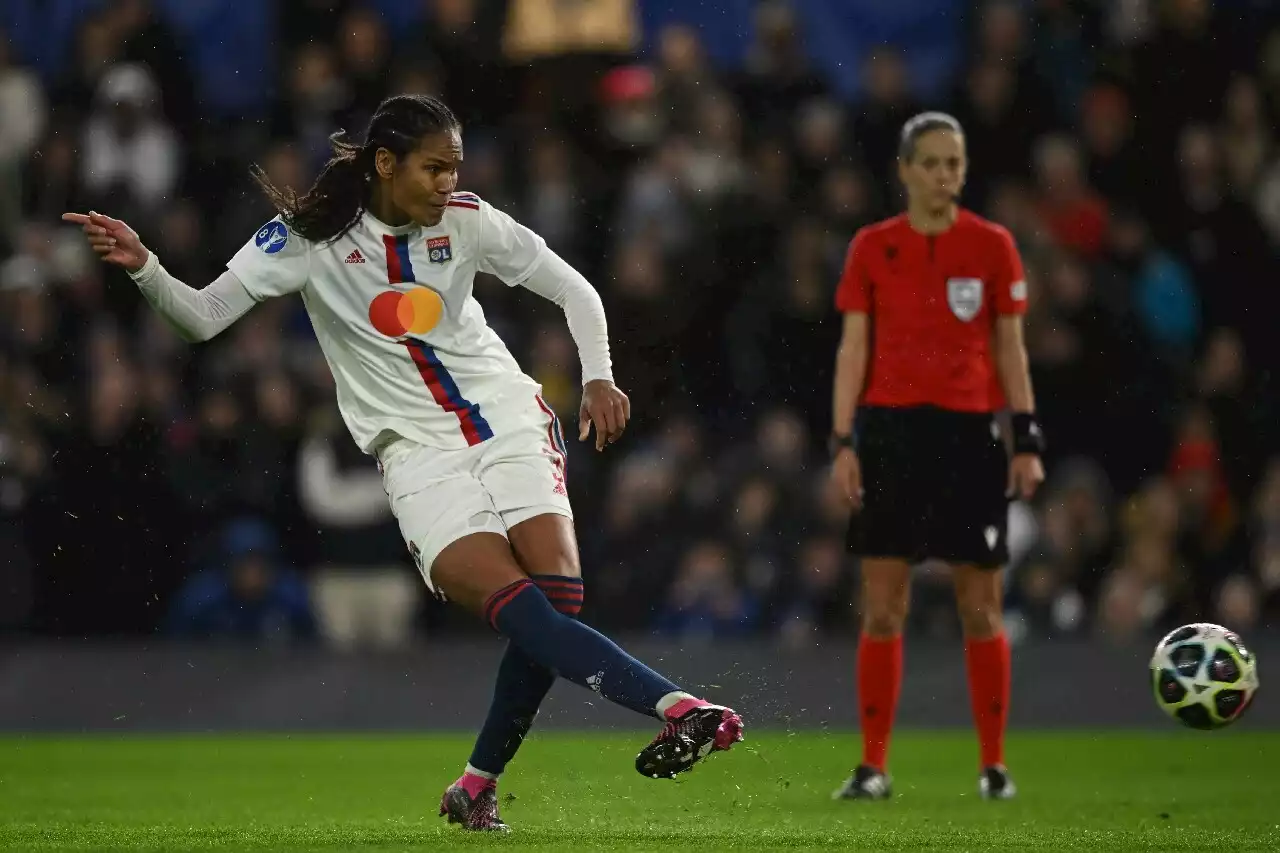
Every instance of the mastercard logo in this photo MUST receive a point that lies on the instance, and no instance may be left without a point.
(414, 312)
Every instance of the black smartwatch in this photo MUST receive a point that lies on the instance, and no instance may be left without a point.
(838, 442)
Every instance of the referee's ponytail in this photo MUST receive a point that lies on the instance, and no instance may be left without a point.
(919, 125)
(341, 191)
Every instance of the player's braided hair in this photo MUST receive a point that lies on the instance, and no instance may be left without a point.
(341, 191)
(919, 125)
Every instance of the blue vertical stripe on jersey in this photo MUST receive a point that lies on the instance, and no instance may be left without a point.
(399, 265)
(406, 265)
(446, 393)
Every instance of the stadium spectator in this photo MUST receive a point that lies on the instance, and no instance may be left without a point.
(22, 471)
(250, 597)
(1106, 133)
(1074, 214)
(706, 599)
(1265, 559)
(1075, 544)
(22, 119)
(366, 593)
(131, 156)
(144, 37)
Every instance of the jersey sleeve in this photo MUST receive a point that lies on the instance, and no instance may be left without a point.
(853, 295)
(507, 249)
(275, 262)
(1010, 285)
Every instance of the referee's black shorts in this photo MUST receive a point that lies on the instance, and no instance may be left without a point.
(933, 487)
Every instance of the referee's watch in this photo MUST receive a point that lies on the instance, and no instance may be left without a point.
(837, 442)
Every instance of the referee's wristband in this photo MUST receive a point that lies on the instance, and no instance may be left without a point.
(837, 442)
(1027, 435)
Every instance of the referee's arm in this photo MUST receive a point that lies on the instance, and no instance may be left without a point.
(851, 373)
(1026, 471)
(1012, 365)
(853, 299)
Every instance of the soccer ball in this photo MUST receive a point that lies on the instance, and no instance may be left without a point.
(1204, 676)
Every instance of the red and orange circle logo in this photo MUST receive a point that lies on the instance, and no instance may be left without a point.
(415, 312)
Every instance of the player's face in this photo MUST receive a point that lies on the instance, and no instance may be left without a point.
(934, 176)
(422, 180)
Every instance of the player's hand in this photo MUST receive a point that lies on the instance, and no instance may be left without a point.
(607, 408)
(847, 471)
(1026, 473)
(114, 241)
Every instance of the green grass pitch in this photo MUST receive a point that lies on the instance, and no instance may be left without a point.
(1079, 791)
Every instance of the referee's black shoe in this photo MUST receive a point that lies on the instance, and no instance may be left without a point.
(995, 784)
(866, 783)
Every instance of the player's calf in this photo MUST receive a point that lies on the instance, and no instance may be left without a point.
(521, 686)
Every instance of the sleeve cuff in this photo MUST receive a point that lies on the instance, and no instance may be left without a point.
(148, 269)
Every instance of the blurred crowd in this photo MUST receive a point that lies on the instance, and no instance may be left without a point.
(212, 491)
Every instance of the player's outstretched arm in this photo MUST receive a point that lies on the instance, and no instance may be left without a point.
(196, 315)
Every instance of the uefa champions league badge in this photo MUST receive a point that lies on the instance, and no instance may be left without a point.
(438, 250)
(272, 237)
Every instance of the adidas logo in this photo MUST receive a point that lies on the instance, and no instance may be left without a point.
(355, 257)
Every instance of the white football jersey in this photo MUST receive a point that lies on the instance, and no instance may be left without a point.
(408, 345)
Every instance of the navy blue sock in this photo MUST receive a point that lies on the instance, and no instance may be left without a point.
(572, 650)
(521, 686)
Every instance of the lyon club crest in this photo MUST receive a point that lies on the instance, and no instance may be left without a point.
(438, 250)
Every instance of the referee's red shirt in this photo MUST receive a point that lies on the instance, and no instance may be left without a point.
(932, 304)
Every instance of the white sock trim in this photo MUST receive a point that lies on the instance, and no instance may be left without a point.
(666, 703)
(493, 777)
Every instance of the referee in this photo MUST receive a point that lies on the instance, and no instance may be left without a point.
(932, 347)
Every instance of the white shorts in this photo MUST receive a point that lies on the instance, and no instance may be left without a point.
(440, 496)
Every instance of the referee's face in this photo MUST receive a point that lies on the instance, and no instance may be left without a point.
(935, 173)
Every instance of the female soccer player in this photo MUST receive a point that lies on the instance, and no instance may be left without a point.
(932, 348)
(383, 251)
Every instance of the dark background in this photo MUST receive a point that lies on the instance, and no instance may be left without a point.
(706, 168)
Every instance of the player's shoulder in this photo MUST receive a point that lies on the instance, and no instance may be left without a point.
(277, 236)
(464, 203)
(877, 231)
(971, 224)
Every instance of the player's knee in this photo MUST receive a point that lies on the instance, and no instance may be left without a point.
(981, 619)
(564, 593)
(883, 625)
(884, 609)
(980, 602)
(885, 617)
